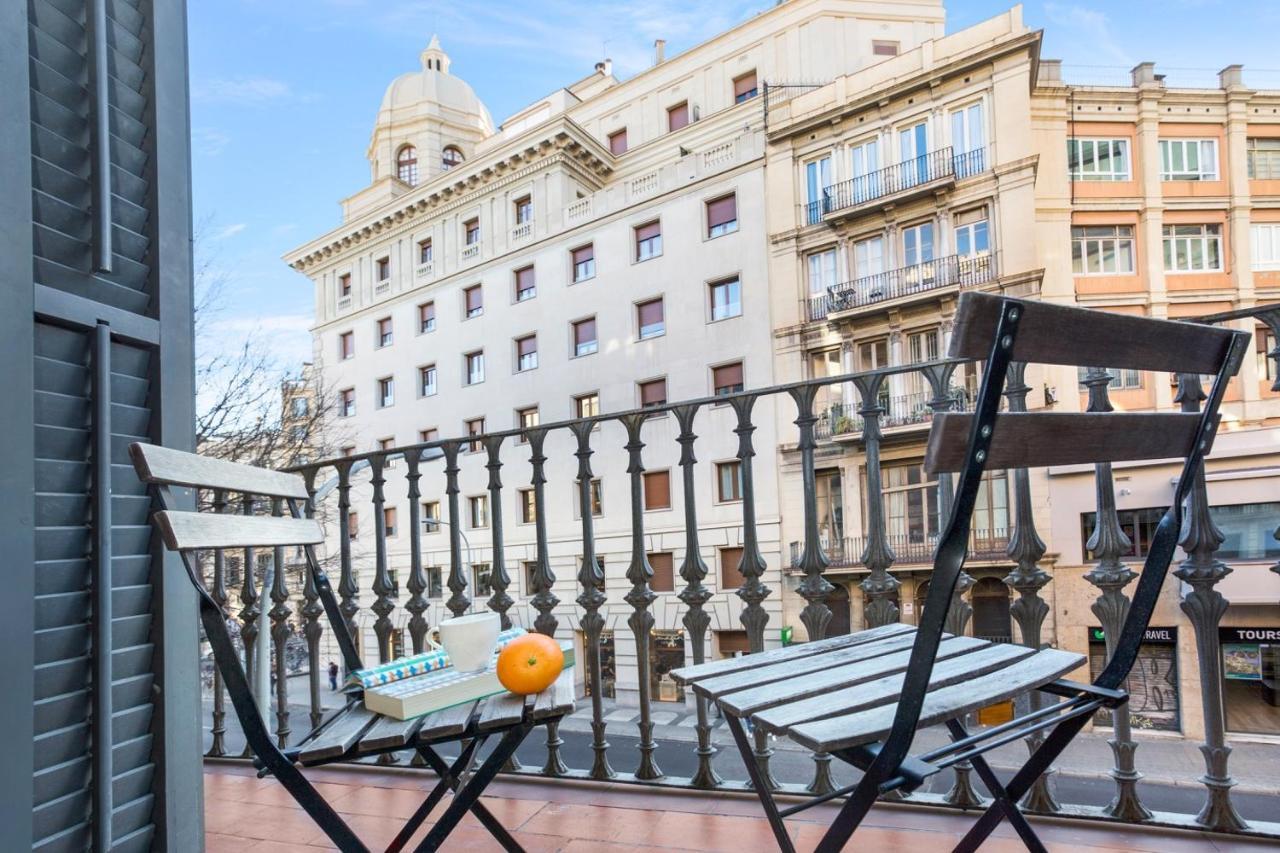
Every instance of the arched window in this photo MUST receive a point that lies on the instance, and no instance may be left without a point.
(451, 157)
(407, 165)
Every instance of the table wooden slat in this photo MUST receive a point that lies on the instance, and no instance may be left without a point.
(941, 705)
(886, 690)
(450, 721)
(388, 732)
(688, 674)
(339, 737)
(504, 709)
(754, 699)
(556, 699)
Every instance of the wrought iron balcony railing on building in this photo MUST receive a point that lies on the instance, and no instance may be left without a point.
(916, 174)
(951, 271)
(908, 549)
(397, 599)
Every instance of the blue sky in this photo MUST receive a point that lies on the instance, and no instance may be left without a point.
(284, 93)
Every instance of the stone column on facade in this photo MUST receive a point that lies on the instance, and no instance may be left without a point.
(1027, 579)
(1205, 606)
(878, 587)
(1111, 576)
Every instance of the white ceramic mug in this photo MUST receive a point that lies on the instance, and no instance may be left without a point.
(469, 640)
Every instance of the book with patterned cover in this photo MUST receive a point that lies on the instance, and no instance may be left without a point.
(408, 667)
(440, 689)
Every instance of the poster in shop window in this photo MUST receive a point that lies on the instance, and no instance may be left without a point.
(1242, 662)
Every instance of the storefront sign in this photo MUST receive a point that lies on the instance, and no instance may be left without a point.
(1155, 636)
(1249, 635)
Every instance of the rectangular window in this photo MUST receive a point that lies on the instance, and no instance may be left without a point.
(344, 284)
(968, 139)
(424, 251)
(868, 257)
(384, 332)
(677, 116)
(917, 244)
(822, 271)
(427, 380)
(817, 180)
(657, 490)
(471, 230)
(664, 572)
(973, 234)
(528, 506)
(618, 142)
(1122, 378)
(523, 210)
(1247, 527)
(475, 427)
(430, 434)
(1188, 159)
(722, 216)
(481, 580)
(430, 516)
(349, 450)
(346, 345)
(730, 560)
(526, 419)
(649, 318)
(1263, 159)
(596, 497)
(383, 266)
(1264, 241)
(386, 392)
(726, 299)
(726, 379)
(652, 393)
(648, 241)
(389, 520)
(435, 582)
(884, 48)
(728, 481)
(473, 301)
(526, 353)
(586, 406)
(584, 263)
(1102, 249)
(1098, 159)
(526, 288)
(353, 524)
(474, 363)
(744, 87)
(584, 337)
(478, 511)
(426, 317)
(1192, 248)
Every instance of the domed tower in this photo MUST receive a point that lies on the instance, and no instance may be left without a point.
(429, 122)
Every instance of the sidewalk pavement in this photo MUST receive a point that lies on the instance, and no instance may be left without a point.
(1168, 759)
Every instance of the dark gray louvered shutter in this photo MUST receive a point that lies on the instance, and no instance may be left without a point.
(95, 267)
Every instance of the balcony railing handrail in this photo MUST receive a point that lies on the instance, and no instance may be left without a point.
(899, 177)
(965, 270)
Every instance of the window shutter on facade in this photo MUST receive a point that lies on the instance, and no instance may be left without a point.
(727, 378)
(96, 267)
(649, 313)
(664, 576)
(475, 300)
(653, 392)
(722, 211)
(584, 331)
(584, 254)
(645, 232)
(678, 116)
(744, 85)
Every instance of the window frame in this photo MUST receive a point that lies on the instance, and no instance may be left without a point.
(575, 347)
(521, 425)
(474, 427)
(477, 512)
(520, 365)
(745, 95)
(589, 264)
(728, 226)
(684, 111)
(409, 163)
(385, 335)
(1083, 240)
(1167, 148)
(423, 372)
(656, 330)
(1170, 238)
(736, 494)
(426, 324)
(579, 399)
(651, 244)
(344, 285)
(1076, 170)
(471, 227)
(347, 402)
(527, 293)
(643, 384)
(645, 479)
(740, 364)
(612, 138)
(425, 252)
(736, 281)
(1256, 260)
(1269, 152)
(468, 374)
(522, 208)
(346, 345)
(469, 313)
(386, 391)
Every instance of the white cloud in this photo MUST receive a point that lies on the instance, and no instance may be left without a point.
(1091, 27)
(209, 141)
(228, 231)
(240, 90)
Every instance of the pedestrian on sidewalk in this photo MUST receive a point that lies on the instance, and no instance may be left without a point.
(333, 676)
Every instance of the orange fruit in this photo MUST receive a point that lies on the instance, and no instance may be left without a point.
(529, 664)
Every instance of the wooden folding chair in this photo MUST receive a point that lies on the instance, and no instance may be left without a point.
(352, 731)
(861, 697)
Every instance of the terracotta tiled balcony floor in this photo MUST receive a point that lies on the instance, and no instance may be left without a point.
(243, 813)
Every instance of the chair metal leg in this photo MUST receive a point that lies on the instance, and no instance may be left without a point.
(454, 777)
(850, 816)
(1001, 797)
(447, 781)
(1050, 749)
(760, 784)
(469, 794)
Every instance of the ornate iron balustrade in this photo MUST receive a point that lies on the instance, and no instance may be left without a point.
(916, 172)
(951, 271)
(546, 602)
(847, 552)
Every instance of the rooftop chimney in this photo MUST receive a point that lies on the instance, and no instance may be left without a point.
(659, 51)
(605, 67)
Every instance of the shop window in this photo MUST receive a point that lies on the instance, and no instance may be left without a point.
(666, 653)
(1250, 689)
(1152, 683)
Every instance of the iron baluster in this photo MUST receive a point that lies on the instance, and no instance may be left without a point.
(499, 579)
(1027, 578)
(218, 747)
(1111, 576)
(641, 596)
(879, 588)
(544, 600)
(312, 610)
(752, 591)
(417, 583)
(1205, 606)
(348, 588)
(813, 561)
(250, 610)
(280, 613)
(591, 599)
(384, 590)
(458, 601)
(695, 595)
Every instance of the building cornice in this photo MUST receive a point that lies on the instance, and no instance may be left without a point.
(560, 141)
